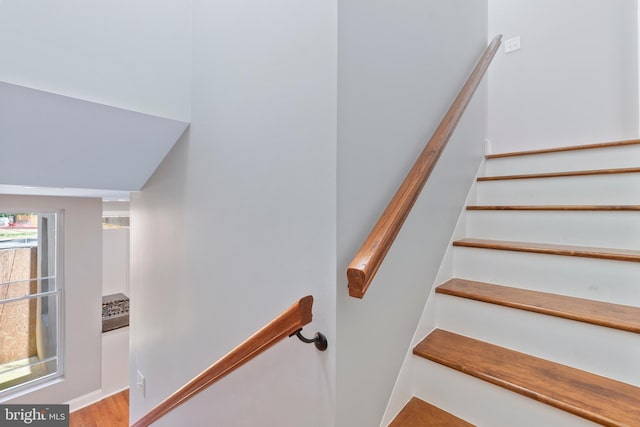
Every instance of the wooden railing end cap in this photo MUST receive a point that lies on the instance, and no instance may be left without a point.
(357, 278)
(305, 305)
(355, 292)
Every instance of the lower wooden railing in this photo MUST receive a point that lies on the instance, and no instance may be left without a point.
(287, 324)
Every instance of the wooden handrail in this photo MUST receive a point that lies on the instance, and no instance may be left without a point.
(286, 324)
(365, 264)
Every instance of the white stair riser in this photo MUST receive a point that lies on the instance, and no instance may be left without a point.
(602, 280)
(601, 229)
(604, 351)
(601, 158)
(482, 403)
(614, 189)
(601, 350)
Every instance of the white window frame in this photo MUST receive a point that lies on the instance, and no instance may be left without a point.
(53, 377)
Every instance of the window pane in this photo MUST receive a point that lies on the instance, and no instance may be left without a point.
(18, 261)
(11, 291)
(27, 246)
(28, 339)
(27, 370)
(18, 227)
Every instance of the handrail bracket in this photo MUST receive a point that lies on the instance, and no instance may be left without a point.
(320, 340)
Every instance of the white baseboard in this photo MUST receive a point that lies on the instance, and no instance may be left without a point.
(90, 398)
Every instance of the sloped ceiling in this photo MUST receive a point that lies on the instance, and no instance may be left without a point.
(50, 140)
(129, 54)
(135, 56)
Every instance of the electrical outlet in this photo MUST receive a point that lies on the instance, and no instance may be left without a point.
(140, 382)
(512, 44)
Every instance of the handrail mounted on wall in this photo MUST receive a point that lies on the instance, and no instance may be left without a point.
(287, 324)
(365, 264)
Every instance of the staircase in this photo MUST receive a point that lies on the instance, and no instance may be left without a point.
(536, 320)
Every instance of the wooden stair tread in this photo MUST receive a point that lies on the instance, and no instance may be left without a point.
(599, 399)
(418, 413)
(552, 249)
(560, 174)
(566, 148)
(616, 316)
(554, 208)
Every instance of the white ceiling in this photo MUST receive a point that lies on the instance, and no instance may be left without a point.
(54, 141)
(132, 55)
(129, 54)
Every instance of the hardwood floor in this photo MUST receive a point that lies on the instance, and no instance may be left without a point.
(110, 412)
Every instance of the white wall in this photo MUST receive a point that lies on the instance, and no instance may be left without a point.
(239, 220)
(115, 261)
(133, 55)
(82, 295)
(575, 79)
(115, 279)
(400, 67)
(115, 362)
(115, 343)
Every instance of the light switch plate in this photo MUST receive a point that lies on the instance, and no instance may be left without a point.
(512, 44)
